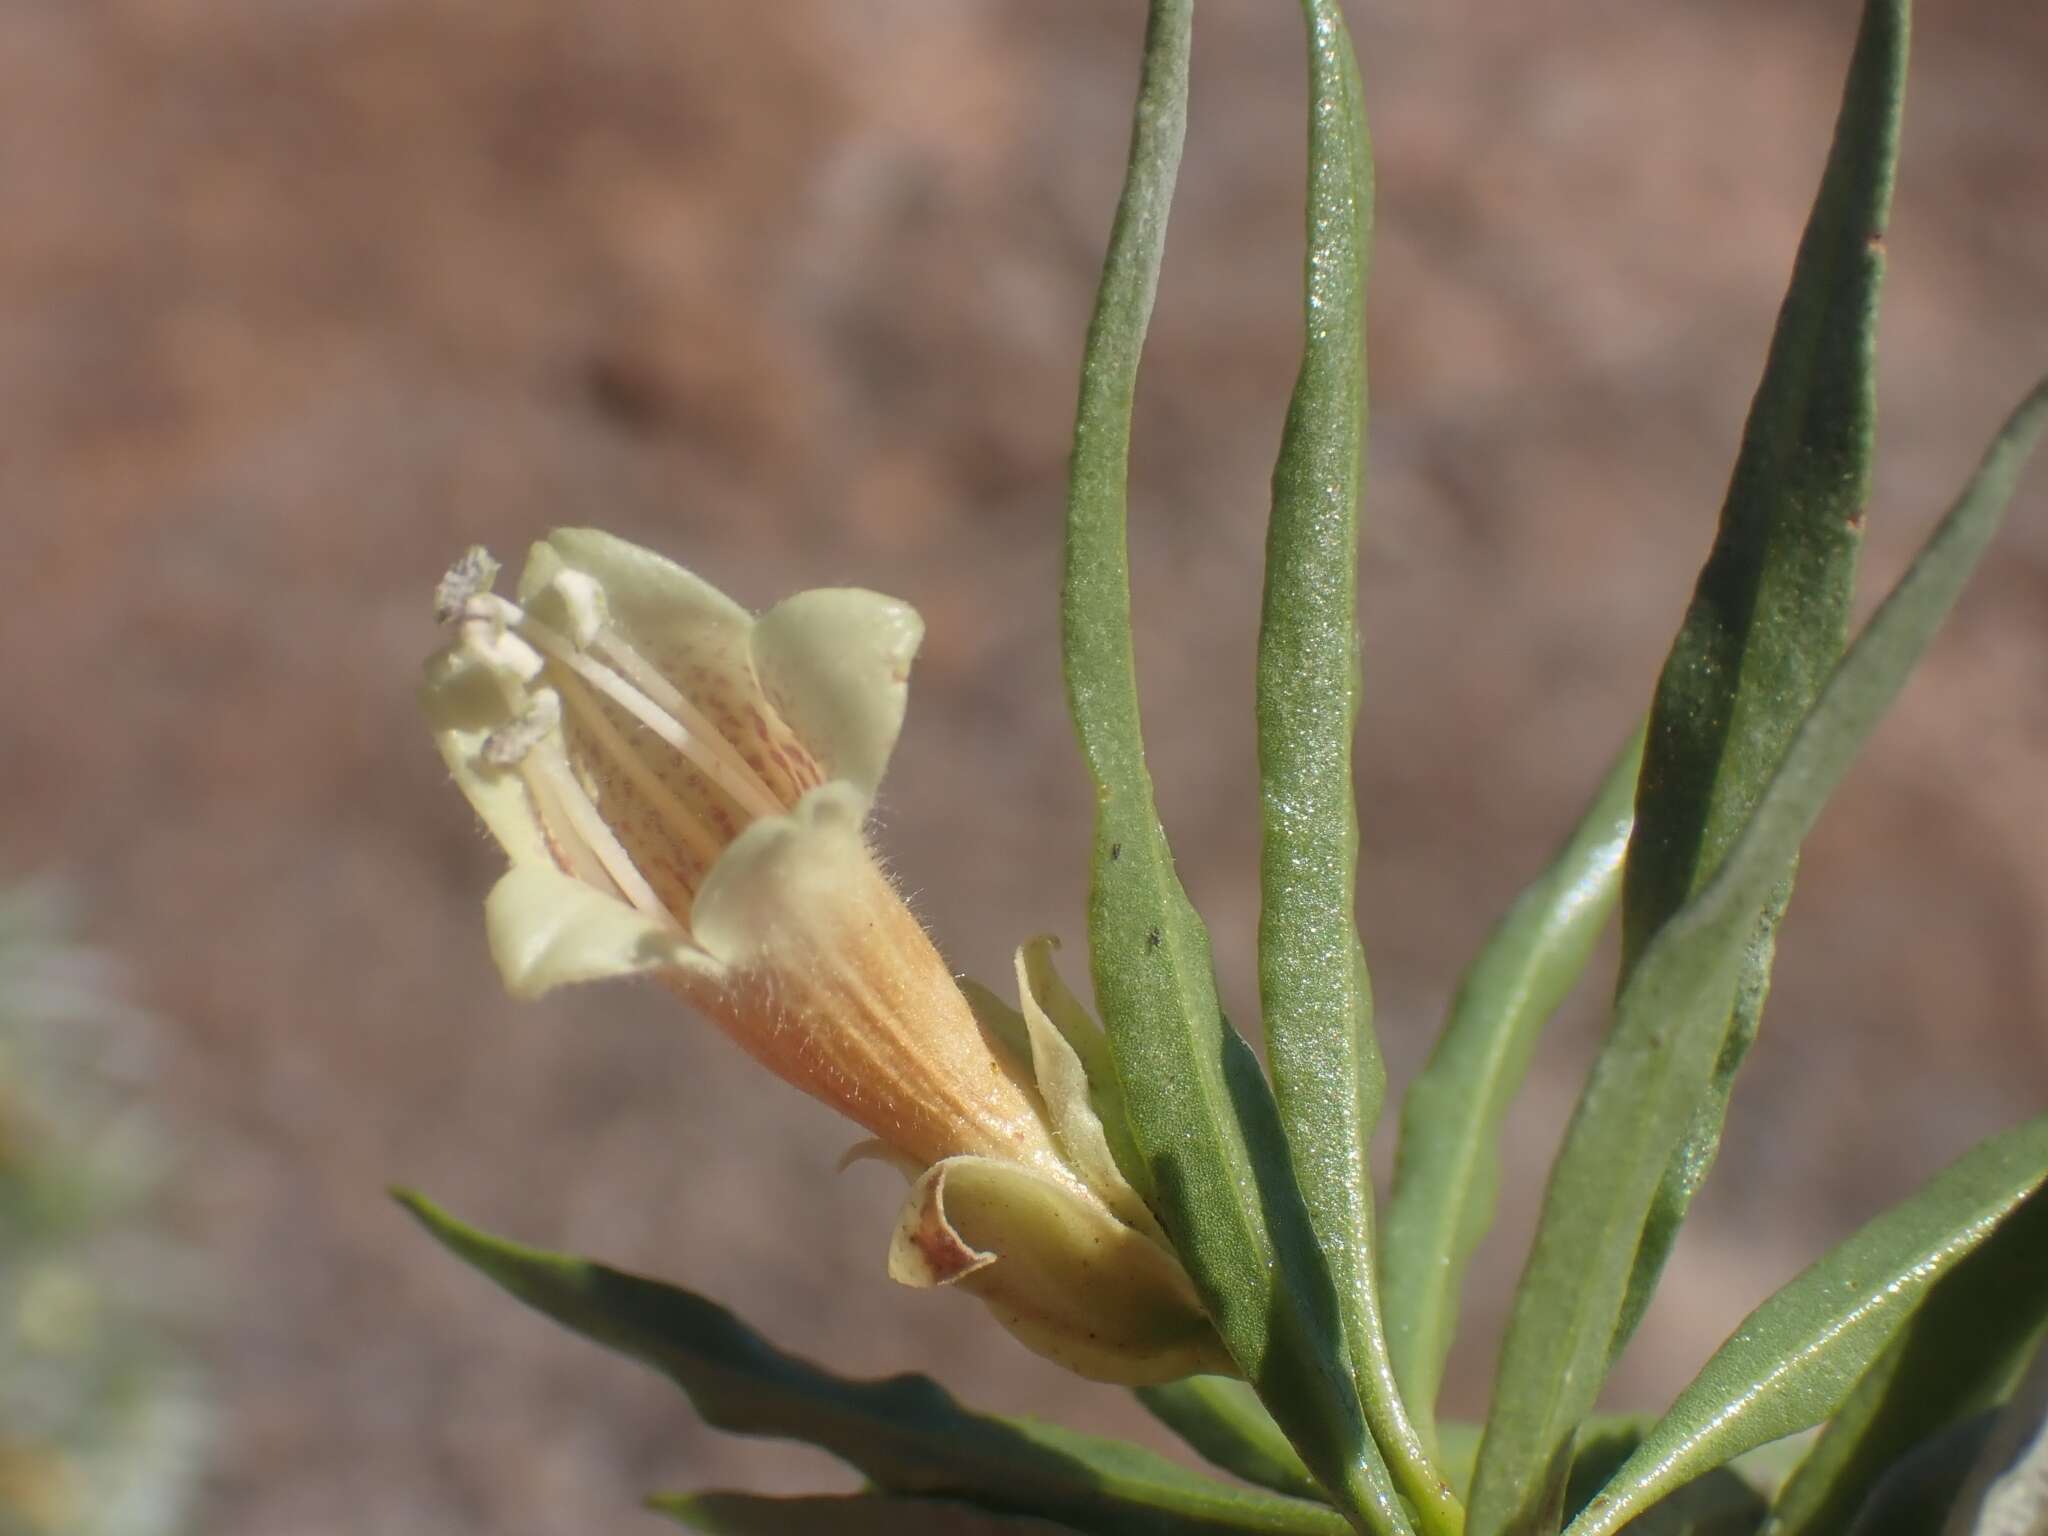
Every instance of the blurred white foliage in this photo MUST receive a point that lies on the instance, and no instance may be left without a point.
(101, 1423)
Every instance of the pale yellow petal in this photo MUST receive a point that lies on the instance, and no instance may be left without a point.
(687, 646)
(649, 596)
(836, 665)
(781, 874)
(548, 929)
(1058, 1270)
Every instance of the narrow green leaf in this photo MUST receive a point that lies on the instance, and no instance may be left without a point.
(1771, 611)
(1727, 1501)
(1916, 1495)
(1795, 1360)
(1956, 1356)
(1313, 990)
(1605, 1442)
(858, 1514)
(2006, 1491)
(1317, 1003)
(1734, 1498)
(1701, 1145)
(1770, 1466)
(1598, 1453)
(1667, 1032)
(1458, 1452)
(1214, 1159)
(906, 1434)
(1719, 1504)
(1224, 1422)
(1447, 1176)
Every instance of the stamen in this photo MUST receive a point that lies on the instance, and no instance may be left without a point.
(490, 644)
(569, 849)
(675, 816)
(701, 746)
(643, 674)
(589, 618)
(510, 742)
(511, 665)
(548, 775)
(468, 576)
(583, 602)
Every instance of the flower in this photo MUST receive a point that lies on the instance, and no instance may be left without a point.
(681, 789)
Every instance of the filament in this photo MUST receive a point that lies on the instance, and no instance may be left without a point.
(644, 676)
(547, 773)
(700, 746)
(676, 817)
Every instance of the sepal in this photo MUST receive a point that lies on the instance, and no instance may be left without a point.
(1065, 1276)
(1075, 1092)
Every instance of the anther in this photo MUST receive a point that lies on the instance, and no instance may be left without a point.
(489, 644)
(583, 603)
(510, 743)
(468, 576)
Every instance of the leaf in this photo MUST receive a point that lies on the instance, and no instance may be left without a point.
(1327, 1073)
(1315, 997)
(906, 1434)
(859, 1514)
(1667, 1031)
(1213, 1160)
(1956, 1356)
(1795, 1360)
(1719, 1504)
(1447, 1176)
(1224, 1422)
(1701, 1145)
(1605, 1442)
(2006, 1492)
(1771, 611)
(1917, 1493)
(1733, 1499)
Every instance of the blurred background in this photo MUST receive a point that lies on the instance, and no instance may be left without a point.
(300, 297)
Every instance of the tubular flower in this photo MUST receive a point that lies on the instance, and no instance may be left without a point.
(681, 790)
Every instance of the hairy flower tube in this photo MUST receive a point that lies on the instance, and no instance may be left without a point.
(681, 789)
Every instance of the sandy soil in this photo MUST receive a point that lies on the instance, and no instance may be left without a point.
(298, 298)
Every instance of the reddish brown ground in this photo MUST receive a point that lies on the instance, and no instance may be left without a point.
(299, 297)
